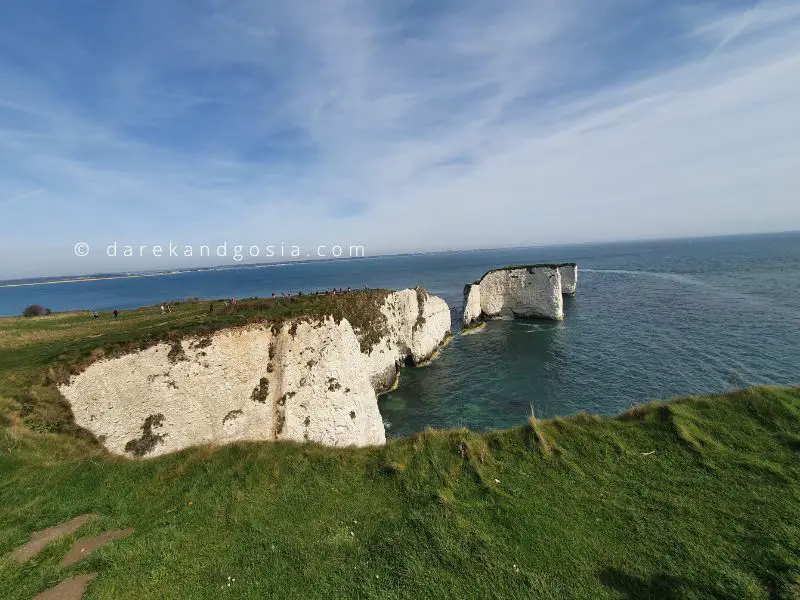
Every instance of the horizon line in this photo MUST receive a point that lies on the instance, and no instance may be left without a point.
(116, 275)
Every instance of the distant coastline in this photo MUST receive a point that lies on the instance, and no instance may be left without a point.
(35, 281)
(83, 279)
(110, 276)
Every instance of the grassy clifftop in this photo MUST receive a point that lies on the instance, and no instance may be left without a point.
(694, 498)
(37, 353)
(526, 267)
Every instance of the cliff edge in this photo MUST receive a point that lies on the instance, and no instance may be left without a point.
(303, 378)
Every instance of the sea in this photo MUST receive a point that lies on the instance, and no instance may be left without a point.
(651, 320)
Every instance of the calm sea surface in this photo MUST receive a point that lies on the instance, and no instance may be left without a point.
(651, 320)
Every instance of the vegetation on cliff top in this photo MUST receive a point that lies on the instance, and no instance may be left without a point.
(698, 498)
(694, 498)
(529, 267)
(37, 353)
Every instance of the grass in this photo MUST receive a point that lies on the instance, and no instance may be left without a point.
(36, 353)
(693, 498)
(529, 268)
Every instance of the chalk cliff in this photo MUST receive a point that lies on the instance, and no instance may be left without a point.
(312, 378)
(569, 278)
(528, 291)
(472, 303)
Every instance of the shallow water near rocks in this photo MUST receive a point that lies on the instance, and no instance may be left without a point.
(650, 320)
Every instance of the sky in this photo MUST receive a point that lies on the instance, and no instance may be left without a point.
(397, 125)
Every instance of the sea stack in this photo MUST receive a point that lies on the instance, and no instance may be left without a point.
(524, 291)
(569, 278)
(312, 378)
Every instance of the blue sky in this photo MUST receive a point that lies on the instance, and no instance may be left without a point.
(401, 126)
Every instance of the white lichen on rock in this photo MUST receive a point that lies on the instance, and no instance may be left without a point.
(529, 291)
(308, 379)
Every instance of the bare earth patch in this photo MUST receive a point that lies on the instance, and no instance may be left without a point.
(72, 589)
(40, 539)
(83, 546)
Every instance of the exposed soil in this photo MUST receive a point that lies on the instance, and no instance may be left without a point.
(149, 440)
(231, 416)
(72, 589)
(40, 539)
(83, 546)
(261, 391)
(422, 296)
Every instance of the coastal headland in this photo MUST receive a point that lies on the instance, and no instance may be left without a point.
(581, 506)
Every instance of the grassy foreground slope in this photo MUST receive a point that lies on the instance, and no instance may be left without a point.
(694, 498)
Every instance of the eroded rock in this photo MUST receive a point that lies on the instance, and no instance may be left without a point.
(306, 379)
(569, 278)
(527, 291)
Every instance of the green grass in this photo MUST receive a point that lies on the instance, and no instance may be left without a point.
(529, 268)
(37, 353)
(694, 498)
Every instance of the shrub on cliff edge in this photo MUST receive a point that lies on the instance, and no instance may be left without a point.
(34, 310)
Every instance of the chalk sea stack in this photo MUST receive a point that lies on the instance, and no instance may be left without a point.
(532, 291)
(309, 378)
(569, 278)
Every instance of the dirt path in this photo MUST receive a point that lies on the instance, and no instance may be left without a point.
(40, 539)
(83, 546)
(72, 589)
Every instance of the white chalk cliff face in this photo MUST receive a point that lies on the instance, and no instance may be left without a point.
(569, 278)
(306, 379)
(532, 291)
(529, 292)
(472, 303)
(418, 324)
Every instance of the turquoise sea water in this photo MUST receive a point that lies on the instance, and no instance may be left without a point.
(650, 320)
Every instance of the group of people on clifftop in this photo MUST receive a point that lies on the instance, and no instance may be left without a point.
(232, 302)
(317, 293)
(96, 315)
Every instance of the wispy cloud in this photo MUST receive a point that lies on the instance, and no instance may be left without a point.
(24, 196)
(746, 19)
(435, 124)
